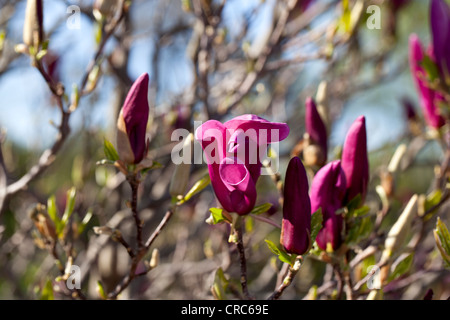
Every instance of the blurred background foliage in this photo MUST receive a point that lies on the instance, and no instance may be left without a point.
(366, 75)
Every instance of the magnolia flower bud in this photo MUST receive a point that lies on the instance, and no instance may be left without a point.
(154, 260)
(180, 177)
(132, 123)
(355, 162)
(315, 128)
(296, 224)
(104, 8)
(33, 31)
(327, 192)
(440, 30)
(43, 223)
(397, 235)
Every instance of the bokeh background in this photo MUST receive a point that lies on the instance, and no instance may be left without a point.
(367, 74)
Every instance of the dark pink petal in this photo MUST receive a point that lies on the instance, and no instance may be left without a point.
(259, 129)
(315, 126)
(428, 97)
(236, 178)
(296, 225)
(135, 114)
(440, 30)
(355, 162)
(327, 192)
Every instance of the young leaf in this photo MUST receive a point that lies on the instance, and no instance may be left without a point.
(197, 187)
(430, 68)
(401, 265)
(110, 152)
(218, 216)
(53, 211)
(282, 255)
(47, 291)
(261, 208)
(101, 291)
(432, 200)
(316, 224)
(442, 237)
(70, 204)
(220, 285)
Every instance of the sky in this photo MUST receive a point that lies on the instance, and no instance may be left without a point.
(26, 117)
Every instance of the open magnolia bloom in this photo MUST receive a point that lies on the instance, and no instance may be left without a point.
(234, 152)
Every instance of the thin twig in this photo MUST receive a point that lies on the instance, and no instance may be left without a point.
(243, 261)
(293, 270)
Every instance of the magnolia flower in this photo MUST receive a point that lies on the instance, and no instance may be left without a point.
(429, 99)
(440, 30)
(33, 33)
(316, 130)
(327, 192)
(355, 162)
(233, 157)
(296, 225)
(132, 123)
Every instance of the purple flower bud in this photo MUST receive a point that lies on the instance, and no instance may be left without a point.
(355, 162)
(429, 99)
(315, 127)
(232, 151)
(327, 192)
(296, 225)
(440, 30)
(33, 30)
(132, 123)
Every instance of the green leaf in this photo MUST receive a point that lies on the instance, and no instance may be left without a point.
(432, 200)
(354, 204)
(261, 208)
(87, 218)
(218, 216)
(316, 224)
(401, 266)
(53, 211)
(110, 152)
(430, 68)
(70, 204)
(101, 291)
(197, 187)
(282, 255)
(47, 291)
(273, 247)
(360, 229)
(442, 237)
(220, 285)
(362, 211)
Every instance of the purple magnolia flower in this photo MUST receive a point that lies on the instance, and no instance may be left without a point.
(315, 127)
(429, 99)
(233, 156)
(355, 162)
(440, 30)
(327, 192)
(132, 123)
(296, 225)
